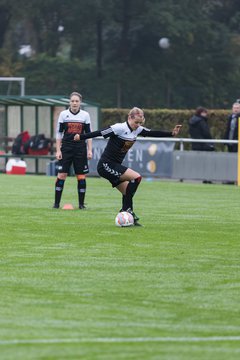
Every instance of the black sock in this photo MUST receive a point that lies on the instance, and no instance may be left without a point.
(81, 191)
(123, 200)
(58, 190)
(130, 191)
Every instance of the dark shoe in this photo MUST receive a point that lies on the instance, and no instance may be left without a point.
(133, 214)
(135, 217)
(55, 206)
(136, 223)
(82, 207)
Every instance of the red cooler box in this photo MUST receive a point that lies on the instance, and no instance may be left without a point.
(16, 167)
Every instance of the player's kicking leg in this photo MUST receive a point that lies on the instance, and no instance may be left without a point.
(128, 187)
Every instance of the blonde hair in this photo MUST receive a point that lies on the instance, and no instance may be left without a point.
(136, 112)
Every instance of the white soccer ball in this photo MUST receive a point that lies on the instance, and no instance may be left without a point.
(124, 218)
(164, 43)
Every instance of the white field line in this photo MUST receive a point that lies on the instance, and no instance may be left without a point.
(121, 340)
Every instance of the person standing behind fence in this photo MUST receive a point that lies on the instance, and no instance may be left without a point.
(232, 127)
(199, 129)
(70, 122)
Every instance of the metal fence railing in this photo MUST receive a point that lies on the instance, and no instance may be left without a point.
(181, 141)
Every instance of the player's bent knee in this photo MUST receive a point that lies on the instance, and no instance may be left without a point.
(62, 176)
(138, 179)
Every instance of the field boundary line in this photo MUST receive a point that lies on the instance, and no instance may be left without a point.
(120, 340)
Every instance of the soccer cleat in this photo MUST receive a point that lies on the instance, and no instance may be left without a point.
(136, 223)
(135, 217)
(133, 214)
(55, 206)
(82, 207)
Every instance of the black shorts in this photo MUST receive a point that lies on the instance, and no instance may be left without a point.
(111, 171)
(76, 156)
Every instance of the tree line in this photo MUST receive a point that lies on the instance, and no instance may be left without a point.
(109, 50)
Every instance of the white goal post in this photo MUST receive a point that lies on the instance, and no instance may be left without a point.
(21, 80)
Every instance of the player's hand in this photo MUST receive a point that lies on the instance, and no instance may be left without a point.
(176, 130)
(89, 155)
(76, 137)
(58, 155)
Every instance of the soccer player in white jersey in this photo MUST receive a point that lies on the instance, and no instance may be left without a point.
(71, 122)
(121, 138)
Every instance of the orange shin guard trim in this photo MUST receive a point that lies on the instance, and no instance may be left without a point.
(81, 177)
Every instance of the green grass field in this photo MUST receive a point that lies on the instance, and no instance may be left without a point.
(75, 286)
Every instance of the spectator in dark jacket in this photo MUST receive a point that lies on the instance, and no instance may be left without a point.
(199, 129)
(232, 127)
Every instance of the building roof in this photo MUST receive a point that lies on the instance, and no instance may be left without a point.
(44, 100)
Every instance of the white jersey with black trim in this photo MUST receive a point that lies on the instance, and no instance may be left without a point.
(122, 138)
(70, 124)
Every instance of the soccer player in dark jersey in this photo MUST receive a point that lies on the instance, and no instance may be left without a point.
(121, 138)
(71, 122)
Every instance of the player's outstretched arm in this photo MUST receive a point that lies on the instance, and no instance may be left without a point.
(160, 133)
(89, 135)
(106, 132)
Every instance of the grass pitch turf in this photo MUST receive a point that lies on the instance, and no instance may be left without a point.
(74, 286)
